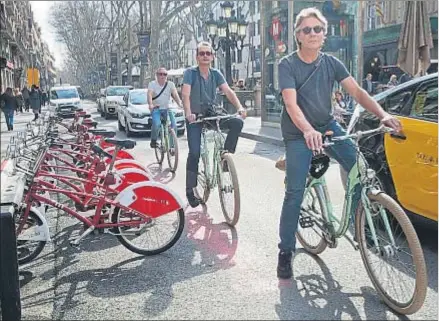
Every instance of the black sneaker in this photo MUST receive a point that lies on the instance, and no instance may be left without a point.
(153, 144)
(193, 201)
(284, 270)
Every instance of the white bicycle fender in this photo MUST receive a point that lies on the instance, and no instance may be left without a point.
(37, 233)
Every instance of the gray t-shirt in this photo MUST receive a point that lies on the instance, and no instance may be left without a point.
(165, 97)
(314, 98)
(203, 91)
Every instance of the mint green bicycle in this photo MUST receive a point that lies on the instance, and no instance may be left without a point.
(167, 144)
(212, 173)
(383, 232)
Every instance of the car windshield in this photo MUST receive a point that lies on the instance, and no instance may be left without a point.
(117, 91)
(138, 98)
(63, 93)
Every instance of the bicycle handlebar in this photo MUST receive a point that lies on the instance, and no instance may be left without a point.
(358, 135)
(201, 119)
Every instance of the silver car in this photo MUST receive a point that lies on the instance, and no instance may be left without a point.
(134, 115)
(113, 96)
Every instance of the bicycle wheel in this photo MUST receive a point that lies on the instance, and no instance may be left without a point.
(144, 239)
(172, 153)
(202, 191)
(229, 186)
(160, 149)
(28, 250)
(412, 266)
(311, 210)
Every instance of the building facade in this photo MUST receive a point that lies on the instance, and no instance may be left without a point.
(21, 47)
(382, 31)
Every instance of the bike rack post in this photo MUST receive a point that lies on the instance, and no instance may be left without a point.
(9, 278)
(11, 194)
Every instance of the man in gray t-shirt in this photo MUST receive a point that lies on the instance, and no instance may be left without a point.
(200, 84)
(306, 79)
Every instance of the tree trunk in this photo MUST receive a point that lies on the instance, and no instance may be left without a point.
(130, 56)
(142, 10)
(119, 55)
(156, 6)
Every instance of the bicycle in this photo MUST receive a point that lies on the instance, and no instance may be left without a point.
(212, 174)
(168, 143)
(317, 215)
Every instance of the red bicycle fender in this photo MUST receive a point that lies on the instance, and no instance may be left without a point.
(104, 144)
(150, 198)
(122, 154)
(129, 176)
(131, 163)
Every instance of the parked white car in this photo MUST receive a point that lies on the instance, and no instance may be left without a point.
(134, 115)
(113, 96)
(64, 98)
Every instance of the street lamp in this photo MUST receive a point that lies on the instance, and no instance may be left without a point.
(227, 33)
(126, 63)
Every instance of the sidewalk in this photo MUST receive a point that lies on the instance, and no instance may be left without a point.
(254, 131)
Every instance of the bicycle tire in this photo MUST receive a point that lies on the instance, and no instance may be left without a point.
(39, 248)
(159, 150)
(202, 193)
(173, 167)
(322, 244)
(420, 291)
(230, 220)
(125, 242)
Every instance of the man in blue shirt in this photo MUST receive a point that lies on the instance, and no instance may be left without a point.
(199, 95)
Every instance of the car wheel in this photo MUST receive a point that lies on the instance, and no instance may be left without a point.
(127, 129)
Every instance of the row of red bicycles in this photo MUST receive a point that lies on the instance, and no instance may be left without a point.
(65, 162)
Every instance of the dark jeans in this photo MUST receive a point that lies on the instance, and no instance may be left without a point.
(298, 162)
(234, 126)
(9, 117)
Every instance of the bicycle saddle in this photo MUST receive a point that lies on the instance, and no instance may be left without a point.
(98, 150)
(319, 165)
(124, 143)
(85, 116)
(102, 132)
(66, 115)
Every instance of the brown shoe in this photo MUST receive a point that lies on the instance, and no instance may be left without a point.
(281, 164)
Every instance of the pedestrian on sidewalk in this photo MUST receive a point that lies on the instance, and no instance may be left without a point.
(25, 94)
(20, 100)
(9, 105)
(35, 101)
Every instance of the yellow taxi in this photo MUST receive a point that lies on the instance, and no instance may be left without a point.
(407, 163)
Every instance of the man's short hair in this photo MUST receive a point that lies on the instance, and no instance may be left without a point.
(308, 13)
(204, 44)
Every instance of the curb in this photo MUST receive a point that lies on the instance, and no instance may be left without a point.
(263, 139)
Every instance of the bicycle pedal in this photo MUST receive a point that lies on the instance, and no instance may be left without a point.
(306, 222)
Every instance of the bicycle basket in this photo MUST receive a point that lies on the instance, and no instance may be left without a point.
(319, 165)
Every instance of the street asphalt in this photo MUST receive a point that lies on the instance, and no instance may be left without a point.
(213, 272)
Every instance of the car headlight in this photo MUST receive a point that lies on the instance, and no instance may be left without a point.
(52, 104)
(138, 115)
(77, 103)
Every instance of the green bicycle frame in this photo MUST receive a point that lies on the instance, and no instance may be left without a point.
(357, 176)
(211, 175)
(164, 135)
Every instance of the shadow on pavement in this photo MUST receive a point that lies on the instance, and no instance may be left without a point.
(205, 248)
(161, 175)
(318, 296)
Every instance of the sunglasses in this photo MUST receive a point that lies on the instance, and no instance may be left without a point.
(317, 30)
(204, 53)
(162, 74)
